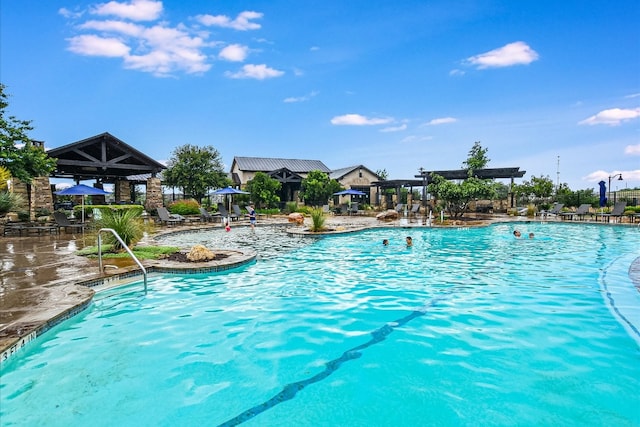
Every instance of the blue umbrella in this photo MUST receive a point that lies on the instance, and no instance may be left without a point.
(82, 190)
(350, 192)
(603, 194)
(228, 190)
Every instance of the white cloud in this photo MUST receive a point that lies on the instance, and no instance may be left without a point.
(241, 23)
(441, 121)
(517, 53)
(600, 175)
(456, 72)
(358, 120)
(258, 72)
(632, 150)
(92, 45)
(633, 95)
(234, 53)
(125, 28)
(414, 139)
(395, 128)
(136, 10)
(301, 98)
(68, 13)
(612, 117)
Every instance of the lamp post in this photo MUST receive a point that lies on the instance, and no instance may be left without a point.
(424, 186)
(619, 175)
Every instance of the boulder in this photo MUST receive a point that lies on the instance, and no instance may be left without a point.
(388, 215)
(296, 218)
(200, 253)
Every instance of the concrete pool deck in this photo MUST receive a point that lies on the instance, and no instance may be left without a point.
(41, 280)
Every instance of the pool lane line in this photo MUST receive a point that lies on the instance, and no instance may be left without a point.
(290, 390)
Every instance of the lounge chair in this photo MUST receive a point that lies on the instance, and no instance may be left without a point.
(205, 216)
(555, 211)
(225, 213)
(616, 212)
(354, 208)
(238, 213)
(580, 213)
(400, 207)
(167, 218)
(415, 209)
(63, 222)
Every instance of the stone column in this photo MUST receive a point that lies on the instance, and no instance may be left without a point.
(154, 194)
(123, 191)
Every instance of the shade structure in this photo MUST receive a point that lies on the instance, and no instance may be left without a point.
(603, 194)
(82, 190)
(350, 192)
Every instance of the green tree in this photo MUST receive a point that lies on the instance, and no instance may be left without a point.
(18, 154)
(383, 174)
(264, 190)
(195, 170)
(457, 196)
(536, 191)
(317, 188)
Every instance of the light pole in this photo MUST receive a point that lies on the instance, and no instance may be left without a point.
(424, 187)
(619, 175)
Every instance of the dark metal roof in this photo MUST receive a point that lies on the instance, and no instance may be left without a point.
(266, 164)
(103, 157)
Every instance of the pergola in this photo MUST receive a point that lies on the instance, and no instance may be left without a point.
(457, 174)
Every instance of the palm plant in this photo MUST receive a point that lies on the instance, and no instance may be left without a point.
(10, 202)
(126, 222)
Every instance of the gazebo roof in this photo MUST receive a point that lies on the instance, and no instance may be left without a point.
(102, 157)
(425, 176)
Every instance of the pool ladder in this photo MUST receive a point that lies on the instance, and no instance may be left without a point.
(112, 231)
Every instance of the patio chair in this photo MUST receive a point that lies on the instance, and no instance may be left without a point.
(415, 209)
(580, 213)
(206, 216)
(167, 218)
(238, 213)
(400, 207)
(225, 213)
(555, 211)
(63, 222)
(354, 208)
(616, 212)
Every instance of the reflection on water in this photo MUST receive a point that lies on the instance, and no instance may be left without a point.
(268, 241)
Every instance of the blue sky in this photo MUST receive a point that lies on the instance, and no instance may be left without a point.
(548, 86)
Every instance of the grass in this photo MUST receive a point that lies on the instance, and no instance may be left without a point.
(141, 252)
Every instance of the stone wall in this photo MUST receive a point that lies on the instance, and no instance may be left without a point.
(154, 194)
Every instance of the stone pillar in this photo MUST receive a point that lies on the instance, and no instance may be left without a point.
(123, 191)
(40, 196)
(154, 194)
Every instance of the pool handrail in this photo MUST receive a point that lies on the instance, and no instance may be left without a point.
(115, 234)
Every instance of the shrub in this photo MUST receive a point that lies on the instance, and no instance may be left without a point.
(9, 202)
(317, 219)
(185, 207)
(291, 207)
(126, 222)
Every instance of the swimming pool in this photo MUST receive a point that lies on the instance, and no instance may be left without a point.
(468, 327)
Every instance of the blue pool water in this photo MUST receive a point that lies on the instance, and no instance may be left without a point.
(468, 327)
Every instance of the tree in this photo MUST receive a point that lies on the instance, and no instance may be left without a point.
(18, 153)
(456, 196)
(195, 170)
(383, 174)
(264, 190)
(317, 188)
(538, 190)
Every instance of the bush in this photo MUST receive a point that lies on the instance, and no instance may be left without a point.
(291, 207)
(317, 219)
(185, 207)
(126, 222)
(9, 202)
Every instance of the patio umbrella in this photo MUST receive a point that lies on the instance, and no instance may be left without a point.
(82, 190)
(350, 192)
(603, 194)
(228, 191)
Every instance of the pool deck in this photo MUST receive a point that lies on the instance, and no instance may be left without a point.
(43, 282)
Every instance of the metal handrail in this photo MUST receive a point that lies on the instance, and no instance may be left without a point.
(144, 270)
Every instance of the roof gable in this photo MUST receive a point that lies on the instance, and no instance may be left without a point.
(101, 156)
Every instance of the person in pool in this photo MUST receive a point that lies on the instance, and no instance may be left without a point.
(516, 234)
(409, 241)
(385, 242)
